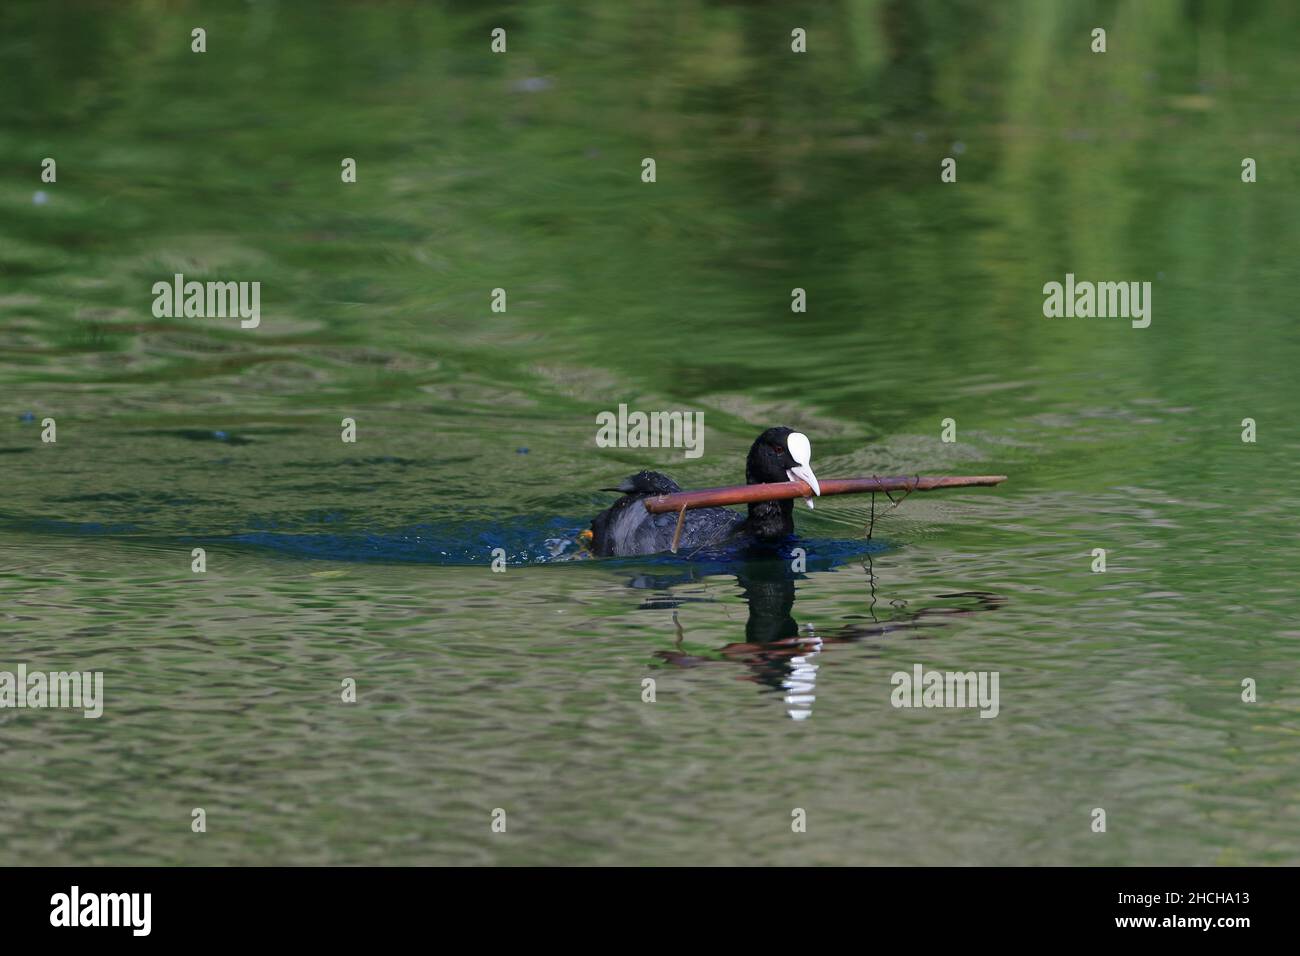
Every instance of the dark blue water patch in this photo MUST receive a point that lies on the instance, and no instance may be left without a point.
(525, 541)
(819, 554)
(519, 541)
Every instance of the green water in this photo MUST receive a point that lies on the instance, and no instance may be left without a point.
(522, 690)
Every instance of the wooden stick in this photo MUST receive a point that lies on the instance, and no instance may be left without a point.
(780, 490)
(677, 533)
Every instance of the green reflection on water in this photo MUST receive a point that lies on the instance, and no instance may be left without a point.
(775, 171)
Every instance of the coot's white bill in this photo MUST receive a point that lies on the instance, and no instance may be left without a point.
(801, 451)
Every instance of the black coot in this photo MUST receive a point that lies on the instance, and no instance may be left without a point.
(626, 528)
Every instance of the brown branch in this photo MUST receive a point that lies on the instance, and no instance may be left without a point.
(778, 491)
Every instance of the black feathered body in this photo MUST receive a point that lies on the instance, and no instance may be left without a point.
(627, 528)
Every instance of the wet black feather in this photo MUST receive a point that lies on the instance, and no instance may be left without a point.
(626, 528)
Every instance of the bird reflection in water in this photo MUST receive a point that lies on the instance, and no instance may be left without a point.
(778, 653)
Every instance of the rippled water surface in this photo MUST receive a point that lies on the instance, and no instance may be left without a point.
(523, 690)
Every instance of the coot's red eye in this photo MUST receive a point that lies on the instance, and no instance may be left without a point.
(778, 449)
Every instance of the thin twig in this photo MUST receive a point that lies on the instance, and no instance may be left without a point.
(893, 504)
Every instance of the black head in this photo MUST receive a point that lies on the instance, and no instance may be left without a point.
(780, 454)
